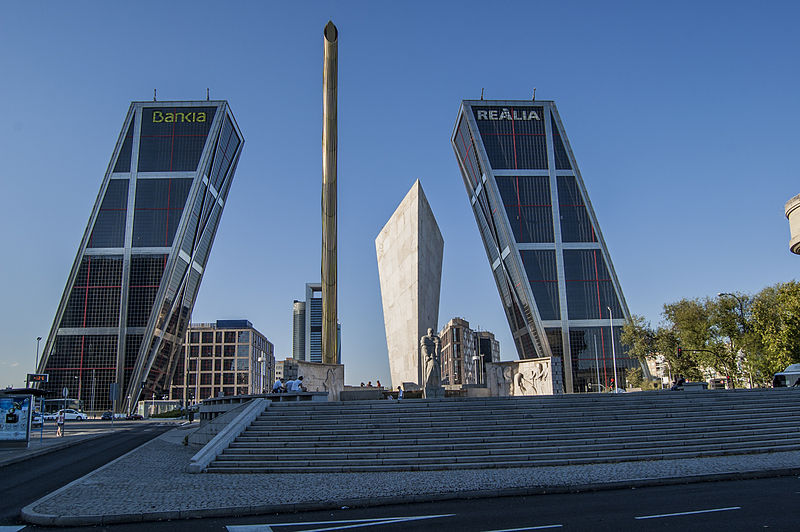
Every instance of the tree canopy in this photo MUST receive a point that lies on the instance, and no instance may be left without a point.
(746, 338)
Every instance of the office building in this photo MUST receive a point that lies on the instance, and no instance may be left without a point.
(550, 262)
(129, 294)
(228, 357)
(286, 369)
(465, 353)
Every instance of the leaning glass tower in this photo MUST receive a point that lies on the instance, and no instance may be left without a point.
(128, 298)
(548, 257)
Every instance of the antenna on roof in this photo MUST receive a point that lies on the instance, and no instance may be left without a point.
(534, 94)
(481, 93)
(154, 95)
(208, 97)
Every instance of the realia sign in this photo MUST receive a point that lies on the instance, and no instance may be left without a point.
(506, 114)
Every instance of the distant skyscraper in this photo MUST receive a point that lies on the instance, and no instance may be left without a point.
(544, 245)
(299, 330)
(130, 292)
(307, 327)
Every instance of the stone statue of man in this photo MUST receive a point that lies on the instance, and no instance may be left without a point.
(429, 346)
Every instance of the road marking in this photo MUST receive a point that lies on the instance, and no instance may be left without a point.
(540, 527)
(690, 513)
(354, 523)
(11, 528)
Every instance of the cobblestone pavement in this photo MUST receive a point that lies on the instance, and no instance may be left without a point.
(152, 482)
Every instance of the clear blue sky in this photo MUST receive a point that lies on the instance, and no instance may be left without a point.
(682, 115)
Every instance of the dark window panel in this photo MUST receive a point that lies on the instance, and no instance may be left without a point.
(465, 145)
(158, 209)
(123, 163)
(540, 268)
(94, 300)
(576, 225)
(173, 139)
(592, 353)
(108, 230)
(511, 139)
(527, 205)
(562, 159)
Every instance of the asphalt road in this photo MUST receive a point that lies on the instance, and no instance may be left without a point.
(727, 505)
(24, 482)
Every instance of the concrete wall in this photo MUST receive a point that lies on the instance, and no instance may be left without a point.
(319, 377)
(535, 376)
(409, 249)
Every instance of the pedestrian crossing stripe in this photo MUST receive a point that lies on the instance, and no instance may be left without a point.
(320, 526)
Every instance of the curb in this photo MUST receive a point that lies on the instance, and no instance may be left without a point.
(51, 448)
(29, 515)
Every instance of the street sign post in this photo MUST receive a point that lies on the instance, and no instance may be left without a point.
(113, 391)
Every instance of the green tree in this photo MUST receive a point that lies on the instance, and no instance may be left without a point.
(775, 323)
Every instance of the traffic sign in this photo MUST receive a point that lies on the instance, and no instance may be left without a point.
(65, 393)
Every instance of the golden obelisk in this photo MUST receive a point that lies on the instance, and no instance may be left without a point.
(329, 141)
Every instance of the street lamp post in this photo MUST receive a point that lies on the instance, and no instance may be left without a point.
(38, 339)
(597, 361)
(613, 349)
(261, 373)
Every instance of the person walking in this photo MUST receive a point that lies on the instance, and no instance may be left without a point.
(60, 424)
(399, 393)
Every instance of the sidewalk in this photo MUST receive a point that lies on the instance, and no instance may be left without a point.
(152, 483)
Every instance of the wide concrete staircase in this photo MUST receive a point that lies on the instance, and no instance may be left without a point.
(421, 435)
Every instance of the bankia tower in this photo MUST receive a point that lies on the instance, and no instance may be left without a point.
(548, 257)
(128, 298)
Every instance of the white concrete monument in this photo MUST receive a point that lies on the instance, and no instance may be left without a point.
(409, 248)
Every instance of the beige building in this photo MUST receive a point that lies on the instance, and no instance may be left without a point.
(465, 353)
(228, 357)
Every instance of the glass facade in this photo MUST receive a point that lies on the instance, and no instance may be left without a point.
(126, 305)
(543, 242)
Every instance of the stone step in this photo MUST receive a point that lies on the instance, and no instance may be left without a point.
(566, 452)
(634, 431)
(286, 448)
(420, 435)
(577, 421)
(394, 406)
(482, 462)
(334, 417)
(554, 426)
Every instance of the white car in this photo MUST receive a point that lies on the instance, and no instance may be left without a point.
(69, 413)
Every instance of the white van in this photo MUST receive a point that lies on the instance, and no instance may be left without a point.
(788, 377)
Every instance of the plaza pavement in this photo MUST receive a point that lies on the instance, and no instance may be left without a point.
(152, 483)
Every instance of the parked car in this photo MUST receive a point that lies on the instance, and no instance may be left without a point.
(107, 416)
(135, 417)
(69, 414)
